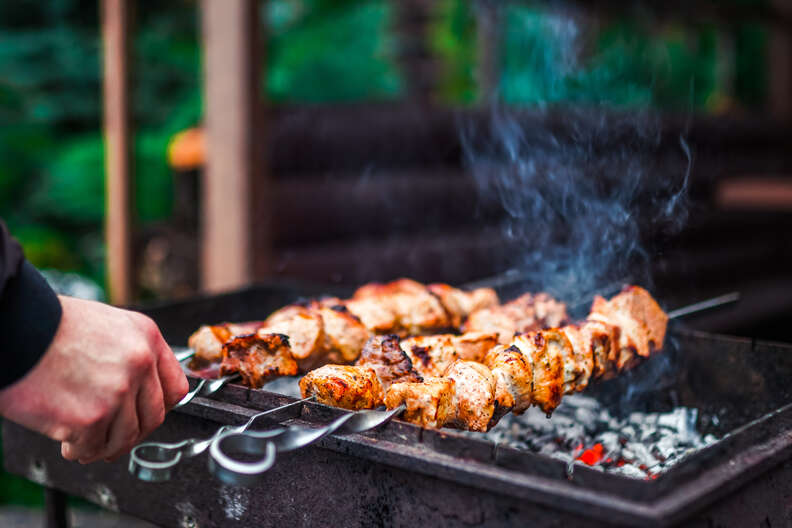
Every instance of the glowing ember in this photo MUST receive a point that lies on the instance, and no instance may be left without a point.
(592, 456)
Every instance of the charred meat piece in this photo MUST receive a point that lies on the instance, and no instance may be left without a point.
(547, 366)
(392, 365)
(404, 307)
(305, 329)
(459, 304)
(208, 340)
(474, 396)
(571, 368)
(419, 313)
(429, 403)
(602, 339)
(583, 353)
(344, 334)
(513, 378)
(639, 322)
(638, 315)
(432, 355)
(258, 358)
(526, 313)
(375, 315)
(348, 387)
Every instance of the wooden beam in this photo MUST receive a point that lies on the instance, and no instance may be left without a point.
(488, 31)
(230, 187)
(119, 195)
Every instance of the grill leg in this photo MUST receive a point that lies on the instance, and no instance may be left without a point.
(55, 505)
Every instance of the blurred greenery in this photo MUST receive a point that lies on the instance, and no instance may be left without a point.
(51, 146)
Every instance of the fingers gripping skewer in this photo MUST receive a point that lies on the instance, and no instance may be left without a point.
(257, 443)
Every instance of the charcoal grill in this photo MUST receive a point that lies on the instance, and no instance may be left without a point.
(401, 474)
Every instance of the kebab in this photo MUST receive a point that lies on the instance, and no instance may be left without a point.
(331, 330)
(536, 368)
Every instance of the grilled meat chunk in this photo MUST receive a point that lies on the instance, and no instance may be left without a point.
(305, 329)
(459, 304)
(432, 355)
(348, 387)
(392, 365)
(513, 378)
(547, 367)
(344, 334)
(258, 358)
(208, 340)
(583, 352)
(429, 403)
(474, 396)
(637, 314)
(403, 307)
(526, 313)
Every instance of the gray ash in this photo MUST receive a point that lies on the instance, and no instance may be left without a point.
(581, 431)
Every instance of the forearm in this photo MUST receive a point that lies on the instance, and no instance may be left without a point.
(30, 312)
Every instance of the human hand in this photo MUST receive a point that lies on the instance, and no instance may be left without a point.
(105, 382)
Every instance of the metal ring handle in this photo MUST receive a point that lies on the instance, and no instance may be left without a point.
(235, 472)
(154, 462)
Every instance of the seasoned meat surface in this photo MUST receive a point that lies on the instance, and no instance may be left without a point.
(526, 313)
(208, 340)
(583, 354)
(430, 355)
(547, 367)
(305, 329)
(345, 386)
(403, 307)
(459, 304)
(513, 378)
(344, 334)
(640, 318)
(474, 395)
(392, 365)
(429, 403)
(258, 358)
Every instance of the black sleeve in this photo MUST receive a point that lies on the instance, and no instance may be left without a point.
(30, 312)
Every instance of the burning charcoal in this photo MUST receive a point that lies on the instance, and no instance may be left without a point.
(665, 447)
(628, 431)
(641, 454)
(581, 430)
(610, 440)
(629, 470)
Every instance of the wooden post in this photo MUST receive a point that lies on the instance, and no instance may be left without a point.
(488, 32)
(119, 189)
(230, 187)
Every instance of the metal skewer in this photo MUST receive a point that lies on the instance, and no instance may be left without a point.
(709, 304)
(183, 354)
(256, 443)
(154, 461)
(206, 387)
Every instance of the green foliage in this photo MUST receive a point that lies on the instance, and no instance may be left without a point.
(330, 51)
(548, 59)
(453, 40)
